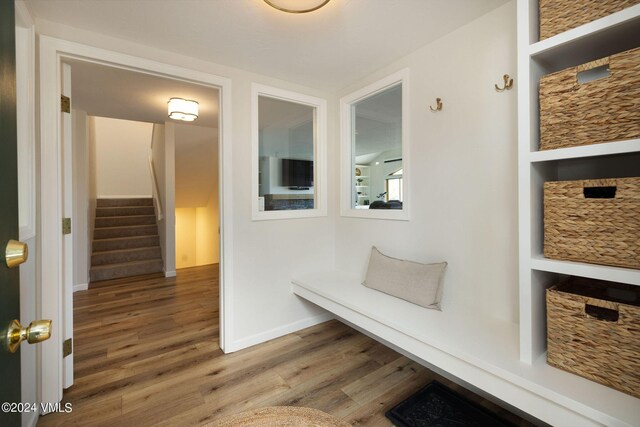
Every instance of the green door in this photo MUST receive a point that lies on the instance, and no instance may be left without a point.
(9, 278)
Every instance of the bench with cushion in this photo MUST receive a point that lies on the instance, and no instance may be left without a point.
(479, 350)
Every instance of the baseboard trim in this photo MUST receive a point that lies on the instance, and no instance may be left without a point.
(80, 287)
(170, 273)
(277, 332)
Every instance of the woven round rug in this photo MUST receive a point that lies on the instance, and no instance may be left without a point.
(280, 416)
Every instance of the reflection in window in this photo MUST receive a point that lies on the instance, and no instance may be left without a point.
(286, 155)
(377, 149)
(394, 186)
(374, 149)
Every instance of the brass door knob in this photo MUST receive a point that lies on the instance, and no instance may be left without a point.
(16, 253)
(37, 331)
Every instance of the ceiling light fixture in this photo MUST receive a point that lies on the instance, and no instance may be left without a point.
(182, 109)
(296, 6)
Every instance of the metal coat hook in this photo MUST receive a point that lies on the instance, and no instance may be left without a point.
(508, 84)
(438, 105)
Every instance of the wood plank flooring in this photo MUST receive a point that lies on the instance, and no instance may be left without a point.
(146, 353)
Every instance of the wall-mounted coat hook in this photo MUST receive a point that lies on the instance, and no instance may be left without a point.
(508, 84)
(438, 105)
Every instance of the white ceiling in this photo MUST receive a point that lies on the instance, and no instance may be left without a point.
(122, 94)
(328, 49)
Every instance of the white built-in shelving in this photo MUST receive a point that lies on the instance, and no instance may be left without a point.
(583, 269)
(590, 41)
(606, 36)
(361, 192)
(586, 151)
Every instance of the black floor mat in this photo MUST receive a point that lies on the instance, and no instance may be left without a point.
(438, 405)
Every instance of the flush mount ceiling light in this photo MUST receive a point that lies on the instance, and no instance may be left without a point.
(296, 6)
(182, 109)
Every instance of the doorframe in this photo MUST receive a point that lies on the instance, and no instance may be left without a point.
(52, 53)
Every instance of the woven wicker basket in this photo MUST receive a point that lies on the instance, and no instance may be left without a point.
(592, 331)
(595, 221)
(602, 110)
(557, 16)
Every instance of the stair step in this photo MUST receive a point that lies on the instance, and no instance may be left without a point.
(125, 255)
(125, 269)
(115, 221)
(125, 231)
(130, 242)
(102, 203)
(124, 211)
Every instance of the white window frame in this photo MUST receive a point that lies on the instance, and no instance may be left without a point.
(346, 148)
(319, 153)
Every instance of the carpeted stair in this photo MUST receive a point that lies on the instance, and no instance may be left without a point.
(125, 239)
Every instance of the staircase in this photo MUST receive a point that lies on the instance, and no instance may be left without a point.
(125, 239)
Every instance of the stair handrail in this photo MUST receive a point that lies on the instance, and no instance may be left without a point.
(156, 193)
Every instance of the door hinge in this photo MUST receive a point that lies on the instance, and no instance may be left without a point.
(66, 225)
(65, 104)
(67, 347)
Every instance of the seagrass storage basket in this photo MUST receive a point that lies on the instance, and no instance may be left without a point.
(575, 110)
(594, 221)
(557, 16)
(592, 331)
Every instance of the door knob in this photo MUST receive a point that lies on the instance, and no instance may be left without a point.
(37, 331)
(16, 253)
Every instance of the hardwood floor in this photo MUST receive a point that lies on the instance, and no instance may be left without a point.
(146, 353)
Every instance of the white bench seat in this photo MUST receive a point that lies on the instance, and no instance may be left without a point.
(477, 349)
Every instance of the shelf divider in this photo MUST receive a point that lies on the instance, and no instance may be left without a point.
(591, 40)
(582, 269)
(584, 151)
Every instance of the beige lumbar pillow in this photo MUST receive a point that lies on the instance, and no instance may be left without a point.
(412, 281)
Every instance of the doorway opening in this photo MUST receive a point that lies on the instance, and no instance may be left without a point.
(144, 198)
(120, 102)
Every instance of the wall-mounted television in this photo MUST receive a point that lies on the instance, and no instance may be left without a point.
(297, 173)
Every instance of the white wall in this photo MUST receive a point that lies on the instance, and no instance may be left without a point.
(196, 165)
(92, 189)
(122, 152)
(464, 182)
(163, 156)
(463, 169)
(157, 154)
(81, 214)
(170, 198)
(207, 236)
(197, 235)
(196, 194)
(265, 253)
(186, 232)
